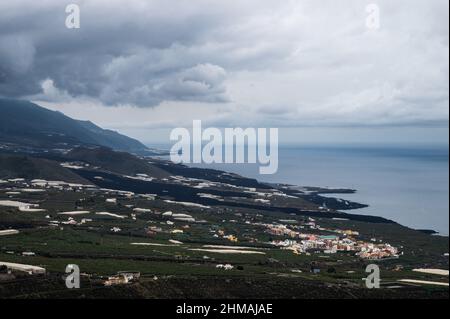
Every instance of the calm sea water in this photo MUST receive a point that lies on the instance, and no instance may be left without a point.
(409, 185)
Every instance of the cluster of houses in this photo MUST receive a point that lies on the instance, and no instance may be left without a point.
(377, 251)
(221, 234)
(225, 266)
(343, 241)
(122, 278)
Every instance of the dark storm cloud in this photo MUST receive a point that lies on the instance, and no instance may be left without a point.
(290, 62)
(139, 53)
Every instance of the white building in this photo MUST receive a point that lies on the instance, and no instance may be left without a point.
(32, 270)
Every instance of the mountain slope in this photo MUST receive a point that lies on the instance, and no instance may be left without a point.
(117, 162)
(27, 124)
(112, 139)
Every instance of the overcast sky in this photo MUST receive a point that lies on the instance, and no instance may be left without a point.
(144, 67)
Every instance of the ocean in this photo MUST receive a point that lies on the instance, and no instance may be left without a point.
(408, 184)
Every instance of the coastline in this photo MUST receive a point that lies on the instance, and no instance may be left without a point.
(407, 184)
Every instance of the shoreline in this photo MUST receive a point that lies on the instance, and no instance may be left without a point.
(330, 192)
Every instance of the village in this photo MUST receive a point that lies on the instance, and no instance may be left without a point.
(343, 241)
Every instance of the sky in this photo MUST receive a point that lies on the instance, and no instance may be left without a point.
(315, 69)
